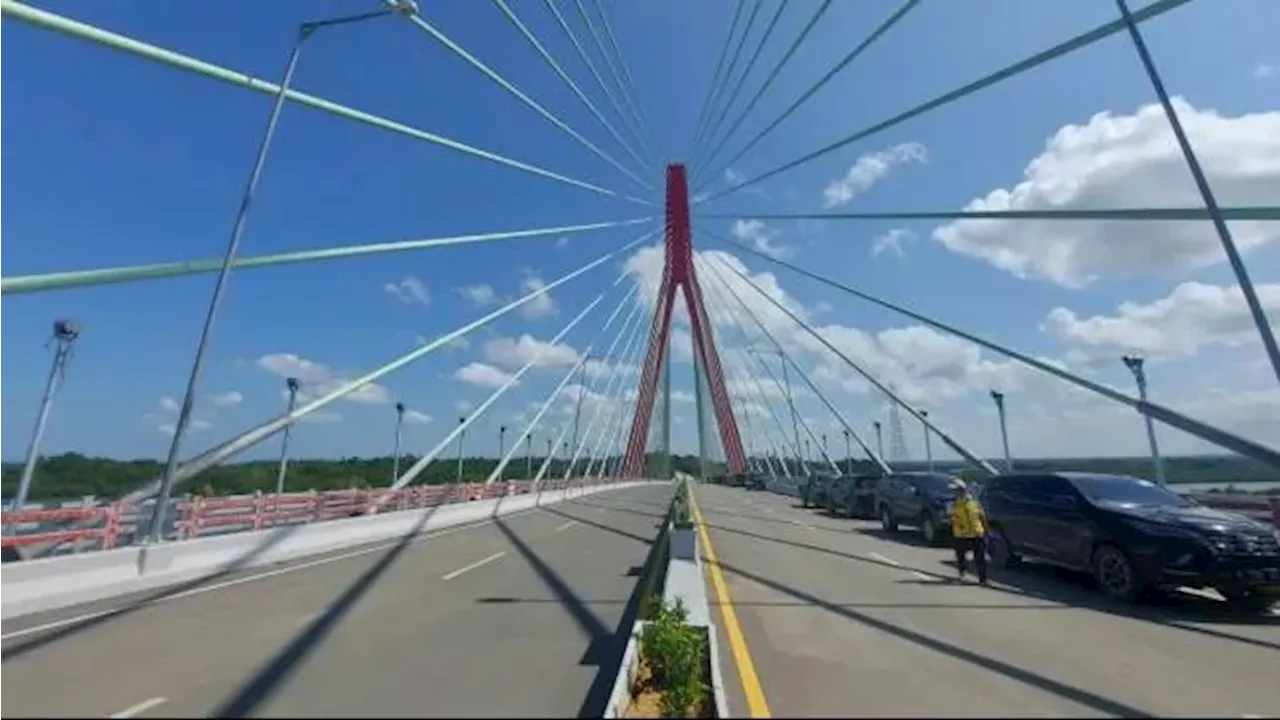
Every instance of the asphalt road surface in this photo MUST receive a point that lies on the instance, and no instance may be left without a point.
(838, 619)
(523, 616)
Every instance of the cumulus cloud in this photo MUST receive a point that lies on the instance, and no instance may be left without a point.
(1192, 316)
(169, 404)
(514, 353)
(479, 295)
(761, 237)
(892, 242)
(318, 379)
(1127, 161)
(409, 290)
(227, 399)
(482, 375)
(870, 169)
(541, 306)
(416, 417)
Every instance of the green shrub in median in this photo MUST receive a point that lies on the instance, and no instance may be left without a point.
(675, 654)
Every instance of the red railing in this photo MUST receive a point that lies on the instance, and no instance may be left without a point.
(239, 513)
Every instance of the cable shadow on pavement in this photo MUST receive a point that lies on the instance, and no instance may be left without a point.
(795, 604)
(597, 525)
(19, 649)
(1063, 690)
(267, 681)
(1022, 584)
(632, 511)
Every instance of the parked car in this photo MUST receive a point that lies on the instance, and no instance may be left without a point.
(815, 489)
(916, 499)
(757, 481)
(1131, 535)
(854, 496)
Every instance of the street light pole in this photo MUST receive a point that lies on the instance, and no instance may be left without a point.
(502, 445)
(848, 453)
(928, 449)
(395, 455)
(291, 384)
(65, 333)
(1004, 430)
(879, 439)
(305, 31)
(1134, 363)
(461, 437)
(528, 456)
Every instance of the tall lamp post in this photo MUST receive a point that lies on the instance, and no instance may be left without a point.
(395, 455)
(998, 397)
(1134, 363)
(528, 456)
(928, 449)
(306, 30)
(848, 453)
(65, 334)
(879, 439)
(291, 386)
(461, 437)
(502, 446)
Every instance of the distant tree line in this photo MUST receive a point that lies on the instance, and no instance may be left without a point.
(73, 475)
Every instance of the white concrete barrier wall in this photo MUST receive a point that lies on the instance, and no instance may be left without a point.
(57, 582)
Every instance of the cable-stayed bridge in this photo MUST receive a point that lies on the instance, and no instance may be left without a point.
(512, 594)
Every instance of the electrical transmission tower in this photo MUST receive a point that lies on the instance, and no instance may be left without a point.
(678, 273)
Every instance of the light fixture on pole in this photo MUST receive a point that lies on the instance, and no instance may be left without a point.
(65, 334)
(306, 30)
(502, 446)
(291, 386)
(879, 439)
(461, 436)
(528, 456)
(1135, 365)
(848, 453)
(998, 397)
(395, 453)
(928, 449)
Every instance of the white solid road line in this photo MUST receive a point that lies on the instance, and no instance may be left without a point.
(257, 576)
(566, 526)
(139, 708)
(883, 559)
(473, 566)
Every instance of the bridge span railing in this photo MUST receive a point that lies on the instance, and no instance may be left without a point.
(120, 524)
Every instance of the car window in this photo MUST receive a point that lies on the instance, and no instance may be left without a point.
(1123, 490)
(931, 483)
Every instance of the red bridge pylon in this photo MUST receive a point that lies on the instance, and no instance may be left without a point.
(678, 272)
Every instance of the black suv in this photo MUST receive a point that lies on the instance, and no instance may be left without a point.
(854, 496)
(919, 499)
(1131, 534)
(815, 489)
(756, 481)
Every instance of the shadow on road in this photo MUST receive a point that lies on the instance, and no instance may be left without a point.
(268, 680)
(1069, 692)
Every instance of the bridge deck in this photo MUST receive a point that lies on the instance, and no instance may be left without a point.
(428, 629)
(840, 620)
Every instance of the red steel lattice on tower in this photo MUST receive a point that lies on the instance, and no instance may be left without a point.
(678, 272)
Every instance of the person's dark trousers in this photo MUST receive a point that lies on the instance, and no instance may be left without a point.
(963, 547)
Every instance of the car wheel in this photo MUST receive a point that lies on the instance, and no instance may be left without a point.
(1002, 556)
(1114, 574)
(929, 529)
(886, 520)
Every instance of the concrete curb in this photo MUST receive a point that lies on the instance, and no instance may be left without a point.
(683, 581)
(57, 582)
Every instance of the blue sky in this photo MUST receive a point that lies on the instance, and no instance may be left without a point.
(114, 160)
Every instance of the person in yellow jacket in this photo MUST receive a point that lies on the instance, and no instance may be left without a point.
(968, 530)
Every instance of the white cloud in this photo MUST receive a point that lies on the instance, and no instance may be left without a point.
(515, 353)
(409, 290)
(169, 404)
(892, 242)
(869, 170)
(1262, 71)
(1116, 161)
(227, 399)
(318, 379)
(462, 405)
(416, 417)
(735, 178)
(562, 242)
(760, 236)
(539, 307)
(1192, 316)
(479, 295)
(194, 426)
(482, 375)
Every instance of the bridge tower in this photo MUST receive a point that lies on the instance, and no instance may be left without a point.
(678, 274)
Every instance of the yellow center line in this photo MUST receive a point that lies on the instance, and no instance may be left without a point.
(756, 704)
